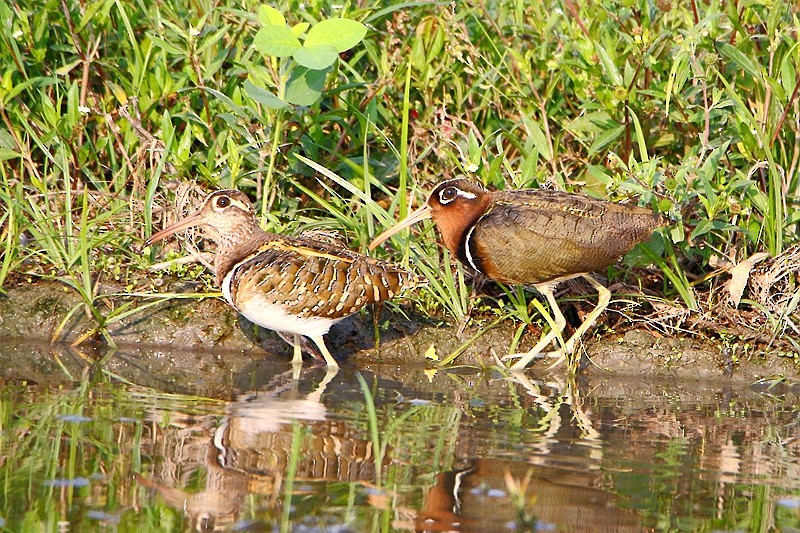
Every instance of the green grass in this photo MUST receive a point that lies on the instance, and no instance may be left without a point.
(107, 111)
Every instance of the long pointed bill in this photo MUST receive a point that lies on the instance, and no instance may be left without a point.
(185, 223)
(420, 214)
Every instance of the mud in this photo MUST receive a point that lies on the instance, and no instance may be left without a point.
(211, 336)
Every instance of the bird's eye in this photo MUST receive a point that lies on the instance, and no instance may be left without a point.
(223, 201)
(447, 195)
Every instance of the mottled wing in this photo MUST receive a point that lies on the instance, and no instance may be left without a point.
(318, 279)
(531, 236)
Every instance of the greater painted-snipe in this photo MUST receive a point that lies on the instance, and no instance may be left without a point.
(295, 286)
(535, 237)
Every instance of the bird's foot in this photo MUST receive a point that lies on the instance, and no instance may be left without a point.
(532, 357)
(526, 358)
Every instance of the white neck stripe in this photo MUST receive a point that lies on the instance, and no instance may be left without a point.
(468, 249)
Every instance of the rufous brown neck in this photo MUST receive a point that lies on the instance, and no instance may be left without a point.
(455, 206)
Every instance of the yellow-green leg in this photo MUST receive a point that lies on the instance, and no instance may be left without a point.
(320, 342)
(297, 358)
(603, 298)
(559, 321)
(297, 343)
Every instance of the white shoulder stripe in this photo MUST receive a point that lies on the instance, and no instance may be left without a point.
(226, 287)
(468, 249)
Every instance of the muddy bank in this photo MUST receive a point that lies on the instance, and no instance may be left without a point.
(51, 312)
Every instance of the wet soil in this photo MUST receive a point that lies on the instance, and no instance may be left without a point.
(49, 312)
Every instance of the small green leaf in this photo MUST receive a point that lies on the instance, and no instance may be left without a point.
(342, 34)
(606, 138)
(316, 57)
(300, 29)
(167, 46)
(278, 41)
(269, 16)
(6, 154)
(609, 67)
(73, 99)
(263, 96)
(305, 86)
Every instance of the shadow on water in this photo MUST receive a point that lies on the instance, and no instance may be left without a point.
(209, 441)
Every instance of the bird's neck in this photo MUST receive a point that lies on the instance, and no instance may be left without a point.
(455, 223)
(235, 246)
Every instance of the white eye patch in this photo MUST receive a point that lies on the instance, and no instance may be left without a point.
(451, 193)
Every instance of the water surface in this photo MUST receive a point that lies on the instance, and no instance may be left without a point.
(161, 441)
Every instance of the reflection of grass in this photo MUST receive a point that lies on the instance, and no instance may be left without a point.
(59, 450)
(69, 454)
(298, 434)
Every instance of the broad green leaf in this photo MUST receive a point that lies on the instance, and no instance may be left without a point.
(269, 16)
(66, 69)
(39, 82)
(89, 12)
(744, 62)
(210, 40)
(530, 165)
(538, 137)
(305, 86)
(263, 96)
(600, 174)
(342, 34)
(278, 41)
(680, 63)
(591, 122)
(637, 127)
(73, 99)
(788, 72)
(316, 57)
(705, 226)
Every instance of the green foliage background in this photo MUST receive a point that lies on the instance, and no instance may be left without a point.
(111, 111)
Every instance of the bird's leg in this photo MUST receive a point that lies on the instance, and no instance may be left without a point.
(559, 322)
(603, 297)
(297, 343)
(297, 358)
(320, 342)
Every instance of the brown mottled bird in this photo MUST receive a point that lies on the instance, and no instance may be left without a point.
(294, 286)
(533, 237)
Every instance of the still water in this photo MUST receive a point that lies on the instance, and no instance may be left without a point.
(155, 441)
